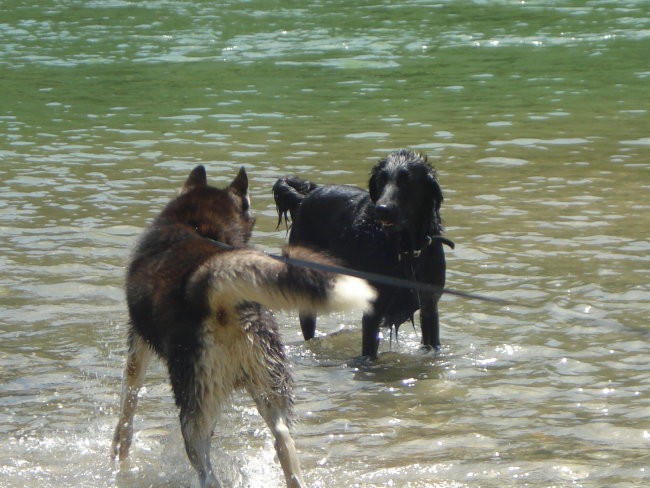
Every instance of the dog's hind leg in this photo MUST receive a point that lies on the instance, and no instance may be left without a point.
(199, 388)
(307, 325)
(196, 426)
(274, 409)
(137, 360)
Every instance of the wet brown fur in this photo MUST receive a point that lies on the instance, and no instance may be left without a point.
(200, 307)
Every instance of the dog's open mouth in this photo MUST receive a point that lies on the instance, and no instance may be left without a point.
(387, 224)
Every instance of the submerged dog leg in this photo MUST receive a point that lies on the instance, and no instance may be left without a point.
(136, 365)
(274, 411)
(197, 430)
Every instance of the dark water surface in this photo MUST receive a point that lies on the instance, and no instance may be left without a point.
(535, 114)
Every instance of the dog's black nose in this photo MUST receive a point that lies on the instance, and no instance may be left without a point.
(386, 213)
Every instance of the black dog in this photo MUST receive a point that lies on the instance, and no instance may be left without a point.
(395, 230)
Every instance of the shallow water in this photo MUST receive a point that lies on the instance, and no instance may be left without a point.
(536, 116)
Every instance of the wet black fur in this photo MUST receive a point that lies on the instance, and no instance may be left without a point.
(384, 230)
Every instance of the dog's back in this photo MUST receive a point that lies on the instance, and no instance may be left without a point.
(328, 212)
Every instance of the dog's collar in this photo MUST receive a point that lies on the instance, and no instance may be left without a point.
(415, 253)
(428, 240)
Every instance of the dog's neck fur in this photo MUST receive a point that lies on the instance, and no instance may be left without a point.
(412, 244)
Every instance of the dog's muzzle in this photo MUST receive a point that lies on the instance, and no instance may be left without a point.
(387, 215)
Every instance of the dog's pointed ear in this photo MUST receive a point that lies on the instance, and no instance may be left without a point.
(239, 185)
(196, 179)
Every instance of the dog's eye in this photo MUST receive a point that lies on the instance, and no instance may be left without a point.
(402, 178)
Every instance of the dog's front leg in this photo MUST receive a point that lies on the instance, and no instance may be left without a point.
(274, 409)
(430, 321)
(370, 334)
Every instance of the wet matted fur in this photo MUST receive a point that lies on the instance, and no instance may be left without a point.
(200, 307)
(393, 229)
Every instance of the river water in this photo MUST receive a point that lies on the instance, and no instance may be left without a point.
(535, 114)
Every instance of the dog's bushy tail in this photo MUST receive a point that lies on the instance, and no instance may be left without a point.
(288, 193)
(242, 275)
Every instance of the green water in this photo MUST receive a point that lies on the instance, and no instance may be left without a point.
(535, 114)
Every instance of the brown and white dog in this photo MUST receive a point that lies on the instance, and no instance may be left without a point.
(200, 305)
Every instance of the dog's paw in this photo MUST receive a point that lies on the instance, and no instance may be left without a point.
(362, 361)
(295, 482)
